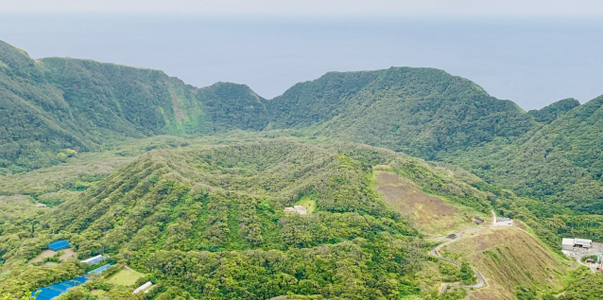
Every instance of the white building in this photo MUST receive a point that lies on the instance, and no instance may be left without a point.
(93, 260)
(296, 209)
(503, 222)
(567, 244)
(570, 244)
(300, 210)
(143, 288)
(583, 243)
(289, 210)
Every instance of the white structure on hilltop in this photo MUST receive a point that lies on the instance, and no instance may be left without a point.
(143, 288)
(296, 209)
(570, 244)
(503, 222)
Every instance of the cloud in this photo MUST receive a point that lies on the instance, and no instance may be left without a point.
(418, 8)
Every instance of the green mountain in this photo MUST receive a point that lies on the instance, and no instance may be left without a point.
(422, 112)
(53, 104)
(553, 154)
(558, 162)
(59, 103)
(553, 111)
(217, 211)
(206, 220)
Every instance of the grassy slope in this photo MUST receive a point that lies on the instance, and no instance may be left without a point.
(125, 277)
(509, 258)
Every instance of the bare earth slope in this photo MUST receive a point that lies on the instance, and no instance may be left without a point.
(509, 258)
(429, 214)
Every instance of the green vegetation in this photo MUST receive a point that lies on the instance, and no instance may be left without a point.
(553, 111)
(422, 112)
(188, 185)
(55, 107)
(550, 154)
(201, 218)
(466, 274)
(125, 277)
(512, 262)
(308, 203)
(583, 285)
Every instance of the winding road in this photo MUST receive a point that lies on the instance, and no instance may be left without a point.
(481, 283)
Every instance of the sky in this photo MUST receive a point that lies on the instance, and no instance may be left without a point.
(513, 8)
(531, 52)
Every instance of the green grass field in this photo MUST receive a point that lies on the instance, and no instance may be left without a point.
(308, 203)
(125, 277)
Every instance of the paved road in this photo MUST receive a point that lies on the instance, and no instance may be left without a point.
(579, 253)
(481, 283)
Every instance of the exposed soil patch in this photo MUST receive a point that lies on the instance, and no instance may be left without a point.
(50, 264)
(428, 213)
(68, 254)
(388, 178)
(178, 114)
(42, 256)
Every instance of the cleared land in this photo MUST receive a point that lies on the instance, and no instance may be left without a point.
(508, 258)
(308, 203)
(68, 254)
(428, 213)
(50, 264)
(125, 277)
(42, 256)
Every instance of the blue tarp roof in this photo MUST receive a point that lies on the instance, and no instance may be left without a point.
(99, 269)
(53, 291)
(59, 245)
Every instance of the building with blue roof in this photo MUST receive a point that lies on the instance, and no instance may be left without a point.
(99, 270)
(55, 290)
(59, 245)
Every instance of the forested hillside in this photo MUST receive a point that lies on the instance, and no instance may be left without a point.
(558, 162)
(217, 211)
(188, 185)
(419, 111)
(60, 103)
(553, 111)
(53, 104)
(54, 108)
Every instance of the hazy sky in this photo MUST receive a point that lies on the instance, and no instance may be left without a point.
(531, 52)
(557, 8)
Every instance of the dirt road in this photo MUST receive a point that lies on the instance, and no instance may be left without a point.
(481, 283)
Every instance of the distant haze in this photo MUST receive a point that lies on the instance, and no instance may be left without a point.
(530, 62)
